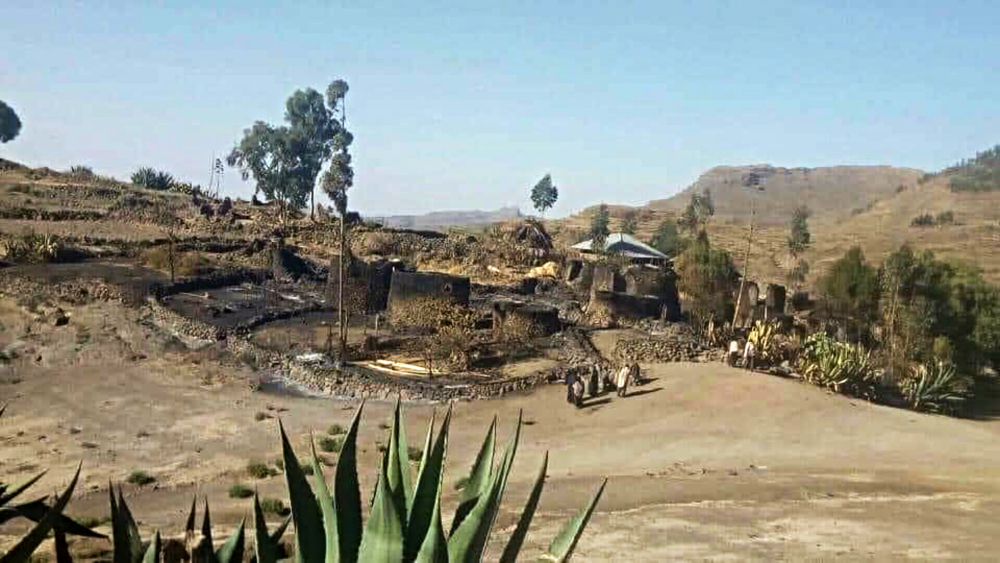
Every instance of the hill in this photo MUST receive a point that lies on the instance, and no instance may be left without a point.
(830, 192)
(439, 219)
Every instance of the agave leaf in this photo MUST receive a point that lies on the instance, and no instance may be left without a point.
(383, 537)
(427, 496)
(347, 493)
(37, 509)
(479, 477)
(189, 527)
(153, 552)
(505, 466)
(561, 548)
(6, 497)
(27, 545)
(3, 408)
(309, 538)
(62, 547)
(232, 550)
(521, 531)
(265, 546)
(280, 530)
(326, 505)
(428, 444)
(435, 546)
(206, 527)
(467, 543)
(127, 543)
(119, 534)
(398, 469)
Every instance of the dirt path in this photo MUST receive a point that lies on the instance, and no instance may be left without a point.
(704, 462)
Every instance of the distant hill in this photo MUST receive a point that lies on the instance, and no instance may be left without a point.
(439, 219)
(835, 192)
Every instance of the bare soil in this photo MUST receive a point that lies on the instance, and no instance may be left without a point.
(704, 462)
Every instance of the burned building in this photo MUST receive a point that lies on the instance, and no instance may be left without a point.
(415, 298)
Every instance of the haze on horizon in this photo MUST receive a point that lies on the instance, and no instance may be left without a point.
(465, 107)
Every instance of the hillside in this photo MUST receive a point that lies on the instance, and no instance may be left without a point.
(438, 219)
(830, 192)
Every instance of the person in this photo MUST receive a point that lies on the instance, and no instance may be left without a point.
(571, 378)
(635, 374)
(734, 353)
(748, 355)
(595, 380)
(622, 382)
(578, 393)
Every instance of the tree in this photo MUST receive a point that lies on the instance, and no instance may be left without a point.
(337, 179)
(850, 288)
(799, 237)
(10, 124)
(599, 231)
(707, 277)
(544, 194)
(285, 161)
(697, 213)
(630, 222)
(667, 239)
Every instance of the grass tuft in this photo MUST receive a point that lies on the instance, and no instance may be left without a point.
(140, 478)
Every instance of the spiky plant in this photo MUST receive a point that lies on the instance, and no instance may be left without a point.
(763, 336)
(47, 519)
(144, 176)
(404, 524)
(935, 387)
(841, 367)
(162, 181)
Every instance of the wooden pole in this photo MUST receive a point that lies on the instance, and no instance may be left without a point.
(746, 261)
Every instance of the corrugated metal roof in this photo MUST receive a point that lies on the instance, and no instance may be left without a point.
(626, 244)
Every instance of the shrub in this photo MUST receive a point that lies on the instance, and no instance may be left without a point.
(936, 387)
(925, 220)
(274, 506)
(239, 490)
(336, 430)
(185, 263)
(259, 416)
(415, 454)
(944, 218)
(328, 444)
(140, 478)
(152, 179)
(81, 172)
(258, 470)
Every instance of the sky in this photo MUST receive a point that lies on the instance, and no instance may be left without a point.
(465, 105)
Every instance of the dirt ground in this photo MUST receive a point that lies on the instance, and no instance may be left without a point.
(704, 462)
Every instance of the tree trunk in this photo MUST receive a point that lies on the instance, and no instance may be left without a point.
(342, 313)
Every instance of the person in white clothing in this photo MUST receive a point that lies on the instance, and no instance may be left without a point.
(748, 355)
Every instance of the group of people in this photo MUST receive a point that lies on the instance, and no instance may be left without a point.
(598, 381)
(738, 348)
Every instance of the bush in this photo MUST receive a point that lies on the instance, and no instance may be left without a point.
(336, 430)
(925, 220)
(274, 506)
(259, 470)
(936, 387)
(185, 263)
(240, 491)
(944, 218)
(840, 367)
(81, 172)
(140, 478)
(152, 179)
(328, 444)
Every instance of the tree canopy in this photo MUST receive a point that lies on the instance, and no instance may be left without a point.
(667, 239)
(544, 194)
(285, 160)
(599, 228)
(699, 210)
(630, 222)
(851, 287)
(707, 277)
(10, 124)
(799, 238)
(339, 177)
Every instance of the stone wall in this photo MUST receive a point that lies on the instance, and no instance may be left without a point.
(656, 350)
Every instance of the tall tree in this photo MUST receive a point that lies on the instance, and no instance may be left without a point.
(697, 213)
(544, 194)
(851, 288)
(285, 161)
(707, 276)
(337, 179)
(799, 238)
(630, 222)
(667, 239)
(10, 124)
(599, 228)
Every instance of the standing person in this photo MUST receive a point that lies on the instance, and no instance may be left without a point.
(622, 382)
(578, 392)
(571, 378)
(748, 355)
(734, 353)
(595, 380)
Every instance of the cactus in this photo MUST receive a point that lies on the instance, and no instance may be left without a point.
(935, 387)
(841, 367)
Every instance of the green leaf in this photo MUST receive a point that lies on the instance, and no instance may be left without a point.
(347, 493)
(479, 477)
(561, 548)
(232, 550)
(383, 537)
(428, 443)
(428, 491)
(435, 546)
(326, 505)
(126, 532)
(206, 528)
(309, 538)
(27, 545)
(521, 531)
(398, 470)
(153, 552)
(7, 497)
(189, 527)
(265, 546)
(119, 532)
(62, 547)
(280, 530)
(37, 509)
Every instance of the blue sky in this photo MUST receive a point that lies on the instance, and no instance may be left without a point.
(465, 105)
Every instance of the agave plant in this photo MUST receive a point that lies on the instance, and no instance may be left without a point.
(144, 176)
(841, 367)
(763, 336)
(404, 523)
(935, 387)
(47, 518)
(162, 181)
